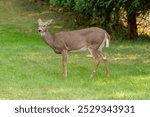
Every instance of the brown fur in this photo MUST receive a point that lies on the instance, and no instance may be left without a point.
(92, 39)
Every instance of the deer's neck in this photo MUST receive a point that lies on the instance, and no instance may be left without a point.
(48, 38)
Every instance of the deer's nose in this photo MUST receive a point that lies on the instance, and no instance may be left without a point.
(39, 30)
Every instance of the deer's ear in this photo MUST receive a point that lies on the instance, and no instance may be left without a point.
(40, 21)
(49, 21)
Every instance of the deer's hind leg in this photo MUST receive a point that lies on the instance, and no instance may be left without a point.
(97, 60)
(101, 53)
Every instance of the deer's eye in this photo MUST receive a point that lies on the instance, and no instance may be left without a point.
(44, 25)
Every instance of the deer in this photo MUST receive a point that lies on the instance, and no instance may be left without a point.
(93, 39)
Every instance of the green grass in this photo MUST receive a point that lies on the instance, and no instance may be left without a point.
(29, 69)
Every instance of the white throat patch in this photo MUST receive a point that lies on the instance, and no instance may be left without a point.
(42, 33)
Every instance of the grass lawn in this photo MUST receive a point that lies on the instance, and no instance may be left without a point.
(29, 69)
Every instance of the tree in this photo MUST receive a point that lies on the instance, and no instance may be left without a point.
(133, 8)
(107, 12)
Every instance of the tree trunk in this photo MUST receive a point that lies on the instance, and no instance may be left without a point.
(132, 26)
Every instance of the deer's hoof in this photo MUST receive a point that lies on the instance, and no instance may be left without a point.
(65, 76)
(91, 76)
(108, 75)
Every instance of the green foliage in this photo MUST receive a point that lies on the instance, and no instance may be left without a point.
(67, 4)
(105, 13)
(136, 5)
(91, 9)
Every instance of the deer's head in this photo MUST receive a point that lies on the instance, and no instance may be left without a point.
(43, 26)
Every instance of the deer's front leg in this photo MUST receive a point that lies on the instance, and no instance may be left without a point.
(64, 61)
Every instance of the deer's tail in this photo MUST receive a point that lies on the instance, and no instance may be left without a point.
(107, 39)
(105, 42)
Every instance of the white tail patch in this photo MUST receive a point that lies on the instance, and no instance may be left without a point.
(107, 41)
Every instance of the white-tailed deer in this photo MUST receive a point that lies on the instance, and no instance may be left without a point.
(92, 39)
